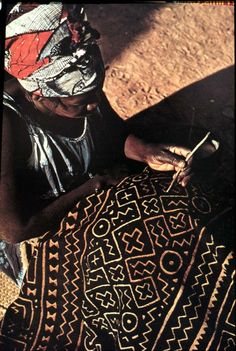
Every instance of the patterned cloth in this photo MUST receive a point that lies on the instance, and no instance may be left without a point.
(51, 49)
(131, 268)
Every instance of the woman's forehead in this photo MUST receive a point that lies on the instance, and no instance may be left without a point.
(82, 98)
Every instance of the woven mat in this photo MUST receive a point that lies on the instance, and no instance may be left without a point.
(9, 291)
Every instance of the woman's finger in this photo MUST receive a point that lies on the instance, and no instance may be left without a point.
(178, 150)
(170, 160)
(185, 173)
(186, 180)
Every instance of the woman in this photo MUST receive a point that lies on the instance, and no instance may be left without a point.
(128, 266)
(59, 131)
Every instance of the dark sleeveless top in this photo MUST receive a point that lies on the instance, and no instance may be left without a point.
(48, 164)
(59, 163)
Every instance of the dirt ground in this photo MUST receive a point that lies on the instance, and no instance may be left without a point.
(175, 61)
(153, 50)
(171, 62)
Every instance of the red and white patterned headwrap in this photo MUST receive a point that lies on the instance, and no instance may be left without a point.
(51, 49)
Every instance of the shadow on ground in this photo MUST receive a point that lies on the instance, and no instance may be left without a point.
(185, 116)
(120, 24)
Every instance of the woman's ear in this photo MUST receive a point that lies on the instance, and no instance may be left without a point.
(31, 97)
(36, 98)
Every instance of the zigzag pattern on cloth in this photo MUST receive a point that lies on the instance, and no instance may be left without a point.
(131, 268)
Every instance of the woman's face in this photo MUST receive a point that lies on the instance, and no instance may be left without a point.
(70, 107)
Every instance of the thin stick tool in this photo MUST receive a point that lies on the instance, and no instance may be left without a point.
(188, 157)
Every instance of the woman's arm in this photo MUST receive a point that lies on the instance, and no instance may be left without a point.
(161, 157)
(12, 226)
(169, 157)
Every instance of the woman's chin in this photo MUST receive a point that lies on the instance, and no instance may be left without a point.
(73, 113)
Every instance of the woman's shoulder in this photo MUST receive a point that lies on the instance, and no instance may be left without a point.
(14, 127)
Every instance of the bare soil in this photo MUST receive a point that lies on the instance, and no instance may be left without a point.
(153, 50)
(171, 63)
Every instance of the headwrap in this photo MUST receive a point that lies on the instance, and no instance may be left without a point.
(51, 49)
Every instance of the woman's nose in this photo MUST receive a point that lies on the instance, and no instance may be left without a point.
(92, 106)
